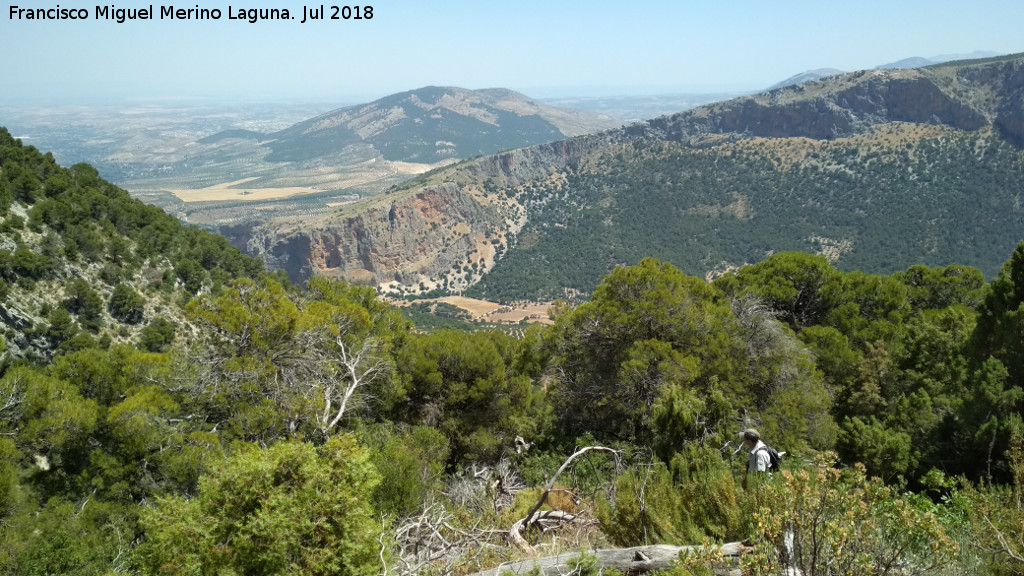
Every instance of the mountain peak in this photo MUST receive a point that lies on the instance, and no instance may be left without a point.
(436, 123)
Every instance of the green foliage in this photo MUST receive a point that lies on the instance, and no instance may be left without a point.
(656, 506)
(256, 338)
(998, 380)
(997, 517)
(938, 288)
(885, 452)
(703, 207)
(90, 538)
(460, 384)
(158, 335)
(284, 364)
(585, 565)
(62, 327)
(802, 288)
(55, 417)
(647, 327)
(289, 508)
(993, 413)
(923, 369)
(126, 304)
(844, 524)
(682, 416)
(10, 492)
(437, 316)
(107, 376)
(410, 463)
(28, 264)
(86, 303)
(999, 325)
(100, 222)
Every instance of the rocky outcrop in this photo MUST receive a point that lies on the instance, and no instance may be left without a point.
(1010, 121)
(517, 167)
(1009, 79)
(410, 240)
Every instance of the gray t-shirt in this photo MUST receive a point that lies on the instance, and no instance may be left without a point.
(759, 461)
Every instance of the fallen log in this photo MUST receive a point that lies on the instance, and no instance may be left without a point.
(557, 516)
(630, 561)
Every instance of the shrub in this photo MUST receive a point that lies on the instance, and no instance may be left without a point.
(291, 508)
(824, 521)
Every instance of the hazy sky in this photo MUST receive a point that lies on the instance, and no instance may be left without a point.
(542, 48)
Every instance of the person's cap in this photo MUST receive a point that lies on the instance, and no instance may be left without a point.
(751, 434)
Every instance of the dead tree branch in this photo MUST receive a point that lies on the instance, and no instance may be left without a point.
(515, 532)
(430, 539)
(1003, 543)
(359, 363)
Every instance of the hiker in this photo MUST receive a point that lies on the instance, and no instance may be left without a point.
(760, 457)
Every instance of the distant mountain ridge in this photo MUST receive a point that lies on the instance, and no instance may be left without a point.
(880, 169)
(965, 96)
(430, 125)
(919, 62)
(912, 62)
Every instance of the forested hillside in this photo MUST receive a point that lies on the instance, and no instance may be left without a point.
(868, 205)
(277, 429)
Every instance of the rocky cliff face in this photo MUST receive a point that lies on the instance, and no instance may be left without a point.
(517, 167)
(425, 232)
(411, 240)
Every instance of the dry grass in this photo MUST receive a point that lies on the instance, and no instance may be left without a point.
(228, 191)
(414, 168)
(476, 308)
(799, 151)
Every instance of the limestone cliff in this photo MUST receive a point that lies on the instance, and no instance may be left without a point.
(417, 238)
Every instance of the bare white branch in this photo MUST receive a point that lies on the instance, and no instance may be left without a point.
(359, 362)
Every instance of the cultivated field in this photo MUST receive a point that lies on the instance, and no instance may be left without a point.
(497, 313)
(238, 191)
(476, 308)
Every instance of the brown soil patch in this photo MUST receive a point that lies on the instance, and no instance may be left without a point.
(533, 312)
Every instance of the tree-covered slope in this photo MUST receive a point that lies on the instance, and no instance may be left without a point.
(881, 202)
(83, 264)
